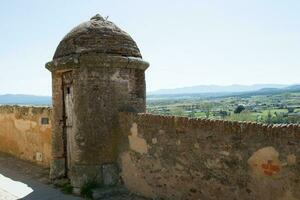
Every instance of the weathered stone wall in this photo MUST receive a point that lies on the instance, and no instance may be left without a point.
(57, 165)
(89, 90)
(181, 158)
(178, 158)
(107, 91)
(23, 135)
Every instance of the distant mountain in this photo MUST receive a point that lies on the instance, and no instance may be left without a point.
(293, 87)
(217, 89)
(272, 91)
(20, 99)
(269, 89)
(208, 95)
(203, 91)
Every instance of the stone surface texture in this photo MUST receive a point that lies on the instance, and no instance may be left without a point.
(97, 35)
(171, 157)
(181, 158)
(110, 174)
(23, 135)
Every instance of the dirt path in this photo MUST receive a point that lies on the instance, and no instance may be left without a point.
(23, 179)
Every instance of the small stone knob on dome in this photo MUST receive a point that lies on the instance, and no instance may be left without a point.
(97, 17)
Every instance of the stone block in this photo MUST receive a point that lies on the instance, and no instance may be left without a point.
(110, 174)
(57, 169)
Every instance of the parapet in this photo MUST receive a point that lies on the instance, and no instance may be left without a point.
(168, 157)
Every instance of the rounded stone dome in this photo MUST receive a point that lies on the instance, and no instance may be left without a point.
(99, 36)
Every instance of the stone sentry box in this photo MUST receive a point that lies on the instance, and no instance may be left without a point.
(97, 71)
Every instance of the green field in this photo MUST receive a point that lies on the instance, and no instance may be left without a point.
(278, 108)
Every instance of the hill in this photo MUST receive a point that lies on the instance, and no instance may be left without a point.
(262, 91)
(216, 89)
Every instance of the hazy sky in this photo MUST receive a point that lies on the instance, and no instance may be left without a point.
(187, 42)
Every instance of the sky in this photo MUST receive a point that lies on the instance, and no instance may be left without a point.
(190, 42)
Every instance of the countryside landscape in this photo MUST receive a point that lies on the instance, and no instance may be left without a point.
(269, 104)
(266, 105)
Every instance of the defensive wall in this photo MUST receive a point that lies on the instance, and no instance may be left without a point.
(179, 158)
(25, 132)
(172, 157)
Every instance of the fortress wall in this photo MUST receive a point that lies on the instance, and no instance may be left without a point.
(23, 135)
(180, 158)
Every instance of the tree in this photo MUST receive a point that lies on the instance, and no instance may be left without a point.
(178, 111)
(206, 108)
(223, 114)
(239, 109)
(243, 116)
(269, 117)
(291, 109)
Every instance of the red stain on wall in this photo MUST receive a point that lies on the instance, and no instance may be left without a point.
(270, 168)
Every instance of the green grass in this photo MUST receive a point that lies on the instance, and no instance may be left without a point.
(67, 189)
(87, 189)
(200, 114)
(272, 111)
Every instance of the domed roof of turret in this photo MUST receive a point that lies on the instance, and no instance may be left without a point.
(100, 36)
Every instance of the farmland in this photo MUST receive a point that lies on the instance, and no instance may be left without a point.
(265, 108)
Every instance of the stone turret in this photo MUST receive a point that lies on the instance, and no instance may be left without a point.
(97, 71)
